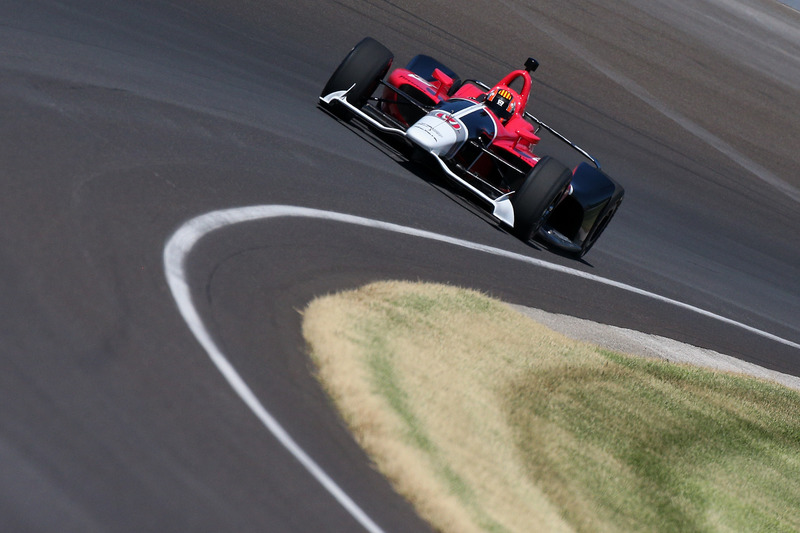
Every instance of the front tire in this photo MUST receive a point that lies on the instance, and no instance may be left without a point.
(543, 187)
(362, 69)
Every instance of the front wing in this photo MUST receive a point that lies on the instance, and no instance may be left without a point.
(502, 208)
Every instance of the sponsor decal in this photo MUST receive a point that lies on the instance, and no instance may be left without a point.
(456, 125)
(418, 78)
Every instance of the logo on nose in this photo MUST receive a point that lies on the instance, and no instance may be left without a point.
(449, 119)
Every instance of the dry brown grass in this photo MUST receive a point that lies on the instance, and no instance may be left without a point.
(424, 406)
(488, 421)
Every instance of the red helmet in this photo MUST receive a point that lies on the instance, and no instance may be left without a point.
(503, 101)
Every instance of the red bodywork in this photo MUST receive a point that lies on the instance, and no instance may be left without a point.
(482, 138)
(514, 137)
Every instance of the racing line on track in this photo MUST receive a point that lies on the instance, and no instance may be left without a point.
(180, 245)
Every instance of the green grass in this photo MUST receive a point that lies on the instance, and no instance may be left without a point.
(487, 421)
(652, 446)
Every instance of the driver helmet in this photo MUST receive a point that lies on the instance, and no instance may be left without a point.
(502, 101)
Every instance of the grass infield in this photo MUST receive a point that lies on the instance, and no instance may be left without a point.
(488, 421)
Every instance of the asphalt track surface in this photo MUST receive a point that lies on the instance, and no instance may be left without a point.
(123, 120)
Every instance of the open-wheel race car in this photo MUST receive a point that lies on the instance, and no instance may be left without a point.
(482, 137)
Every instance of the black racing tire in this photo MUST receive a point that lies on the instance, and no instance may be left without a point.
(362, 69)
(602, 221)
(543, 187)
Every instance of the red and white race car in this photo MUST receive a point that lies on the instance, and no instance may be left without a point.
(482, 137)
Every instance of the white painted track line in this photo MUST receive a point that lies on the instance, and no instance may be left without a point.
(180, 245)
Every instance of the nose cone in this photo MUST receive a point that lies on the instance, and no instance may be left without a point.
(438, 133)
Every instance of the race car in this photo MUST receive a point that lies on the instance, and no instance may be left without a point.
(482, 137)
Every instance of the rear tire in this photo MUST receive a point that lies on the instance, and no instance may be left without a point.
(362, 69)
(544, 185)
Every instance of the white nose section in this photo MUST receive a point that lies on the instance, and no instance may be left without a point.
(439, 133)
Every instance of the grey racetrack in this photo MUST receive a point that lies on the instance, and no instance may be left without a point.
(121, 120)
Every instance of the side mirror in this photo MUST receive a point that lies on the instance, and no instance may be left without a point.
(445, 82)
(527, 138)
(441, 77)
(531, 64)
